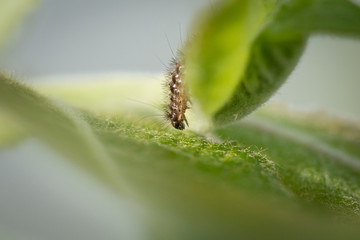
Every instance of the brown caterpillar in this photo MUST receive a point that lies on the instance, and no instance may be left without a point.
(175, 111)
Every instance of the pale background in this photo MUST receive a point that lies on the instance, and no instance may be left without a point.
(92, 36)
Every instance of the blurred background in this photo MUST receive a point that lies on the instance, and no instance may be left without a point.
(81, 37)
(94, 37)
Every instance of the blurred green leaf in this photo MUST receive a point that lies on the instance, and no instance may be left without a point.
(11, 12)
(243, 51)
(59, 126)
(192, 187)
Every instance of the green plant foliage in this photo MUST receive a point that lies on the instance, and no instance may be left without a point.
(192, 187)
(56, 125)
(276, 175)
(315, 171)
(243, 51)
(11, 12)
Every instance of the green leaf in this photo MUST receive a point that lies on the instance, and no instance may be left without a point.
(193, 187)
(59, 126)
(220, 51)
(307, 160)
(244, 50)
(11, 12)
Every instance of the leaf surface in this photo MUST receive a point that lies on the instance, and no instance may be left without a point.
(183, 179)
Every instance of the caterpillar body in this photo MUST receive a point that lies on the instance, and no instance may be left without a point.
(175, 111)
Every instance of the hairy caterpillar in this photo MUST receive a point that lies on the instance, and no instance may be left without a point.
(175, 111)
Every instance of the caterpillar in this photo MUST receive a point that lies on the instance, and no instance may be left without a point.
(175, 111)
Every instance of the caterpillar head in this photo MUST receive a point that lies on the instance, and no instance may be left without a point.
(178, 125)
